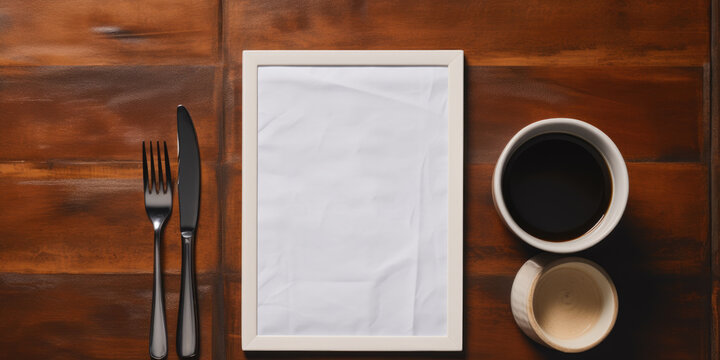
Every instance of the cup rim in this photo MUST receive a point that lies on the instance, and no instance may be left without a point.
(539, 330)
(618, 171)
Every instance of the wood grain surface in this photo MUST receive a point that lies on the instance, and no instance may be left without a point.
(92, 316)
(84, 218)
(100, 113)
(84, 82)
(713, 81)
(533, 32)
(119, 32)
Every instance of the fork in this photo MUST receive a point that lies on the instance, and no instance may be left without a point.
(158, 204)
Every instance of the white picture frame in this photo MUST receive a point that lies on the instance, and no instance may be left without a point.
(251, 340)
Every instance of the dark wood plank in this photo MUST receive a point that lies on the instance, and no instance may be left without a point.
(660, 109)
(92, 316)
(95, 32)
(231, 207)
(646, 328)
(103, 113)
(657, 257)
(537, 32)
(714, 120)
(651, 113)
(232, 119)
(90, 218)
(664, 229)
(232, 293)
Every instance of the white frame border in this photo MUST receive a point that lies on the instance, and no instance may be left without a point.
(453, 59)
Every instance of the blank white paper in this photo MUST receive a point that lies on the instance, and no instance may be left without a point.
(352, 200)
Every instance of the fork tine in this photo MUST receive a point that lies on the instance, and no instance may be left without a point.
(168, 177)
(161, 185)
(152, 169)
(145, 171)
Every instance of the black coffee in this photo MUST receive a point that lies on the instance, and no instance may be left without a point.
(556, 186)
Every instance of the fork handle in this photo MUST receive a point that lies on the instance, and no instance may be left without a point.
(158, 331)
(187, 330)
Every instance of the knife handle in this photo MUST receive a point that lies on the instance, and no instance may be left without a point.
(187, 331)
(158, 333)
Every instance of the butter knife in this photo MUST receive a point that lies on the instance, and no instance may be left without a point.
(189, 202)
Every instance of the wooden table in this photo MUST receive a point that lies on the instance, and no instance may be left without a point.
(83, 82)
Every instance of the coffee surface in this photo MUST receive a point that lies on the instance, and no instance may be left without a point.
(567, 303)
(556, 186)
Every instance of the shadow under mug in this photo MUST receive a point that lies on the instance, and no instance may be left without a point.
(618, 174)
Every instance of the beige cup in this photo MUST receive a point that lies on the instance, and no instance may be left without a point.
(569, 304)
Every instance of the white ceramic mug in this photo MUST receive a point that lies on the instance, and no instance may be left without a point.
(569, 304)
(616, 166)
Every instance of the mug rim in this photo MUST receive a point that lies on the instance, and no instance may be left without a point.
(618, 199)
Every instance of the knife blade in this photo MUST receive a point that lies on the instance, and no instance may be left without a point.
(188, 171)
(189, 203)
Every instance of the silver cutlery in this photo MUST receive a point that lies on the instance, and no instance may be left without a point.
(158, 205)
(189, 202)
